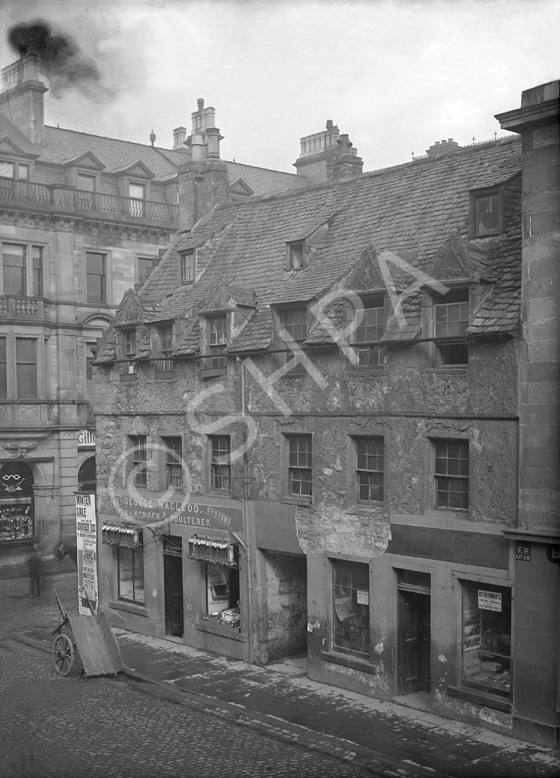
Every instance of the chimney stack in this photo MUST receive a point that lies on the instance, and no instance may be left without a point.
(326, 155)
(179, 138)
(22, 98)
(442, 148)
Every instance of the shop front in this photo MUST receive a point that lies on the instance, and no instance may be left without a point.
(177, 571)
(432, 631)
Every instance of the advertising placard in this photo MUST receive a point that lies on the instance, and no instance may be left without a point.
(489, 601)
(86, 541)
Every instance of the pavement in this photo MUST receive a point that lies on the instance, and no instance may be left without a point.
(387, 738)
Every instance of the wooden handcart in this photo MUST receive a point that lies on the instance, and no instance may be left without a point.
(90, 638)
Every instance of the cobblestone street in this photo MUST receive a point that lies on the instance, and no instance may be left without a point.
(53, 726)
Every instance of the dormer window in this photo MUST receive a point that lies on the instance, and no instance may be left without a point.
(188, 267)
(85, 183)
(14, 170)
(296, 256)
(451, 319)
(130, 349)
(217, 342)
(371, 328)
(294, 321)
(486, 213)
(137, 195)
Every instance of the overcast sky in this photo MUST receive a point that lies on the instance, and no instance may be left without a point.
(395, 76)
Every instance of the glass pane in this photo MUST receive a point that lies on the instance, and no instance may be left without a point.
(6, 170)
(95, 289)
(87, 183)
(137, 191)
(23, 172)
(145, 267)
(25, 350)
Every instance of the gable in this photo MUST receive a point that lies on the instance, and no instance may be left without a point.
(8, 147)
(365, 276)
(459, 260)
(86, 160)
(239, 188)
(137, 169)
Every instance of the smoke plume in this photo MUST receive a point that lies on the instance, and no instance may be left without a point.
(60, 59)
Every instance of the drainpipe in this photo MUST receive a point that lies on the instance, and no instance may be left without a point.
(249, 535)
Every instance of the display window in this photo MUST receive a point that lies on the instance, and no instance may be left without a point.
(351, 606)
(222, 595)
(130, 562)
(486, 638)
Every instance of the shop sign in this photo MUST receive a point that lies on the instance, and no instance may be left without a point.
(490, 601)
(86, 542)
(523, 552)
(187, 514)
(553, 554)
(86, 439)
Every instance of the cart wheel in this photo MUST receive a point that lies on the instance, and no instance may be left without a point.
(63, 654)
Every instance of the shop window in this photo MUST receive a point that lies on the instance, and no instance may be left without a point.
(26, 368)
(139, 457)
(452, 474)
(300, 465)
(87, 475)
(486, 213)
(451, 319)
(3, 369)
(173, 462)
(369, 470)
(96, 278)
(130, 564)
(188, 267)
(371, 328)
(486, 638)
(351, 606)
(16, 502)
(220, 463)
(222, 595)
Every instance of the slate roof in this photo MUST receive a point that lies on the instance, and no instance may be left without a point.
(409, 210)
(61, 145)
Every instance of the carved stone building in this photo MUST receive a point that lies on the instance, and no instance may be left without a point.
(311, 419)
(82, 219)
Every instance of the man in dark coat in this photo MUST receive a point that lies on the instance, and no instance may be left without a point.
(34, 564)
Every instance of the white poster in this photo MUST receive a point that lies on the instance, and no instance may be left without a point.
(86, 542)
(489, 601)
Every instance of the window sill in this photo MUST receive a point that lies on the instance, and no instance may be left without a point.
(365, 508)
(129, 607)
(212, 372)
(222, 630)
(27, 541)
(479, 698)
(355, 370)
(295, 500)
(349, 661)
(447, 369)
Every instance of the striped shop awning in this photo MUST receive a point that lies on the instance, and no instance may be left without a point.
(119, 535)
(213, 549)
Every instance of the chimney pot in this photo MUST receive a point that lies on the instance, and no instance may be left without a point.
(329, 124)
(200, 103)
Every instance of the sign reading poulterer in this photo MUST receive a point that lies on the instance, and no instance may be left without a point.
(86, 537)
(188, 514)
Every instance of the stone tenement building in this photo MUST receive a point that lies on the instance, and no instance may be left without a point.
(328, 424)
(82, 219)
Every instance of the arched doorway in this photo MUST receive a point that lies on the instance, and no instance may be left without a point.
(86, 475)
(16, 502)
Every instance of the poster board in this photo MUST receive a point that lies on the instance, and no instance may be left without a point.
(86, 559)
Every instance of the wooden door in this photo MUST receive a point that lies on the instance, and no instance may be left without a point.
(414, 642)
(173, 593)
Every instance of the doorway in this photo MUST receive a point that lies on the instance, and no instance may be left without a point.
(414, 632)
(173, 585)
